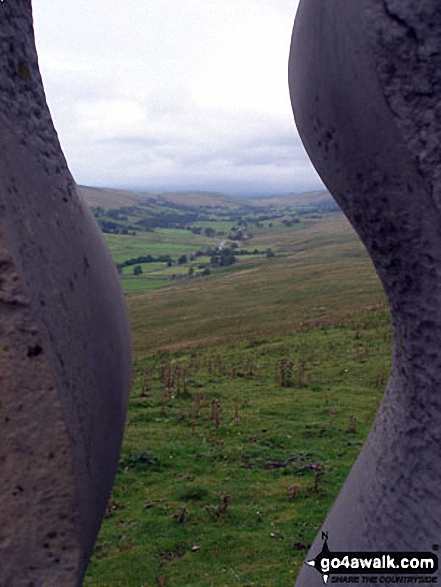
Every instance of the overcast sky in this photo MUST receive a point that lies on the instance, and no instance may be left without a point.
(173, 94)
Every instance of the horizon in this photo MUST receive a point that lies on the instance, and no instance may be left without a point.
(238, 194)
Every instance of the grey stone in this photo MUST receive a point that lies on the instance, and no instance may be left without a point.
(65, 348)
(365, 82)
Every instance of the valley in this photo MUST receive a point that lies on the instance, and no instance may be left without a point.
(255, 384)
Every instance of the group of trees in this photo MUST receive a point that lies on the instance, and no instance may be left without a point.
(113, 221)
(137, 270)
(145, 259)
(127, 220)
(223, 257)
(219, 257)
(167, 219)
(208, 231)
(111, 227)
(158, 213)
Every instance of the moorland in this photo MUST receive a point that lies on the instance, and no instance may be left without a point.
(261, 341)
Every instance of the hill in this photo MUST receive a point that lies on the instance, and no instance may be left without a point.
(262, 346)
(320, 272)
(109, 198)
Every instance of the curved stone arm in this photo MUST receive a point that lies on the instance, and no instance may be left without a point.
(65, 348)
(365, 87)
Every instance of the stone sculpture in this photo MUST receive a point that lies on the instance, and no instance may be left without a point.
(365, 82)
(65, 356)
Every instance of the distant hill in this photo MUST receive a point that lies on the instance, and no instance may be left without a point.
(109, 198)
(303, 198)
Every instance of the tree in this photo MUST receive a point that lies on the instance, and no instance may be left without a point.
(209, 231)
(182, 260)
(137, 270)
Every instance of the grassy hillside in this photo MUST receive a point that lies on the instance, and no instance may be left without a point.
(162, 228)
(234, 453)
(254, 388)
(302, 198)
(110, 198)
(320, 273)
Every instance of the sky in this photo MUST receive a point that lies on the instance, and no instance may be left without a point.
(173, 94)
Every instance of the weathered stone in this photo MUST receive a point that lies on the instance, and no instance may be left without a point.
(365, 81)
(64, 338)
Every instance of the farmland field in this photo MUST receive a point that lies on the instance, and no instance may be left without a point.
(254, 387)
(161, 242)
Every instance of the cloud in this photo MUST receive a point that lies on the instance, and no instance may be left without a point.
(170, 94)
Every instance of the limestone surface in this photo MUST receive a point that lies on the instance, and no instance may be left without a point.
(365, 87)
(65, 348)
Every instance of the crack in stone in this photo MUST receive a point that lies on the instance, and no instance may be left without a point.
(411, 31)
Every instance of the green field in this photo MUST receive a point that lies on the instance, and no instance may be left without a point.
(161, 242)
(319, 273)
(254, 389)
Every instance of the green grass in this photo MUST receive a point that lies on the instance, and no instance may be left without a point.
(237, 503)
(319, 274)
(146, 268)
(168, 518)
(162, 241)
(141, 284)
